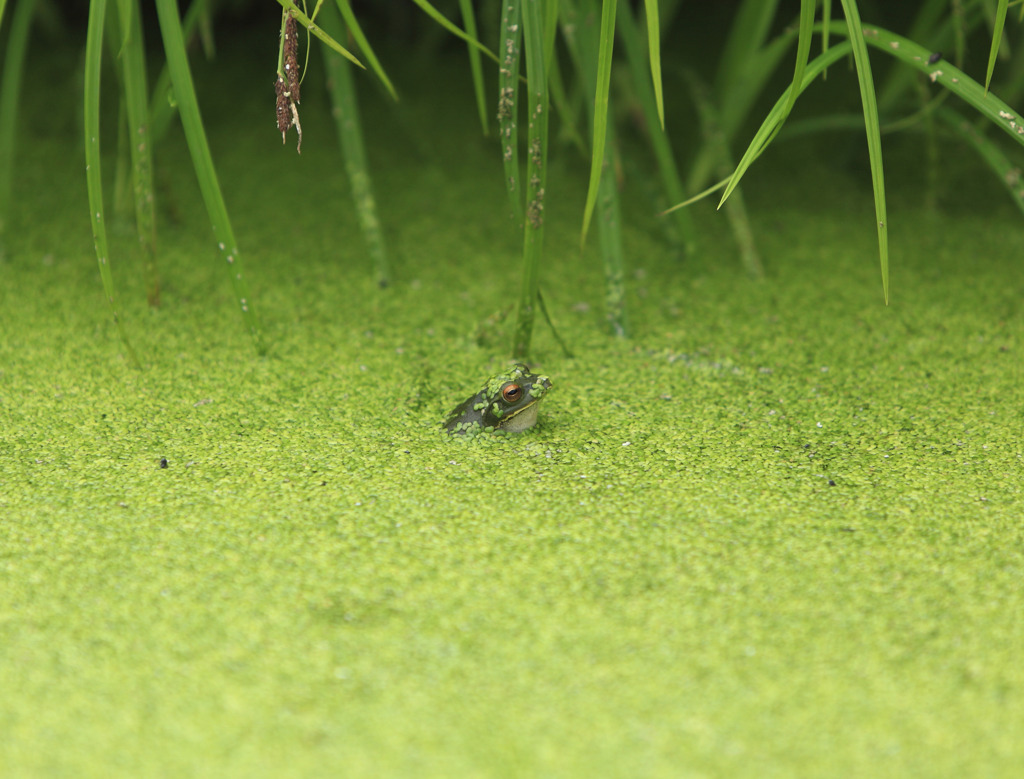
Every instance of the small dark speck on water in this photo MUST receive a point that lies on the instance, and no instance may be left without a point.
(163, 462)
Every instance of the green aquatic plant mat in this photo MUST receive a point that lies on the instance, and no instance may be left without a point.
(779, 527)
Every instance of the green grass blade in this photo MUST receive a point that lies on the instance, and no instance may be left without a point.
(735, 208)
(932, 23)
(739, 99)
(508, 104)
(949, 77)
(777, 114)
(610, 239)
(604, 74)
(1005, 170)
(350, 137)
(803, 48)
(133, 72)
(759, 142)
(364, 46)
(162, 105)
(583, 42)
(654, 52)
(10, 89)
(997, 37)
(874, 138)
(469, 19)
(206, 174)
(747, 34)
(826, 21)
(668, 172)
(536, 173)
(314, 28)
(440, 18)
(93, 170)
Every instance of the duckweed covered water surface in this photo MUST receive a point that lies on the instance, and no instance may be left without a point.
(776, 533)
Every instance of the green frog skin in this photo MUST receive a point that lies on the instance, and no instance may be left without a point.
(507, 402)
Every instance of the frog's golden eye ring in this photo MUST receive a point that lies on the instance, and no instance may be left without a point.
(511, 393)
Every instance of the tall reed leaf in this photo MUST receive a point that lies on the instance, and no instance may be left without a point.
(671, 182)
(949, 77)
(350, 137)
(1006, 171)
(508, 104)
(469, 19)
(582, 40)
(93, 172)
(536, 172)
(314, 28)
(202, 161)
(874, 136)
(440, 18)
(364, 46)
(604, 74)
(803, 48)
(10, 88)
(654, 52)
(133, 72)
(997, 38)
(870, 108)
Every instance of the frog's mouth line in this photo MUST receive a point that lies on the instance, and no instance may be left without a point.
(521, 418)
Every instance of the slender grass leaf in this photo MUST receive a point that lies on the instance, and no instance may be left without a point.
(747, 34)
(803, 48)
(440, 18)
(314, 28)
(93, 170)
(508, 104)
(133, 72)
(701, 195)
(654, 51)
(826, 20)
(469, 19)
(10, 89)
(536, 174)
(759, 142)
(364, 46)
(738, 100)
(604, 73)
(202, 161)
(163, 106)
(350, 137)
(550, 33)
(871, 127)
(583, 41)
(668, 172)
(736, 210)
(997, 37)
(951, 78)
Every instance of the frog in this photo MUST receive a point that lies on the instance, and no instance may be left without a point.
(507, 403)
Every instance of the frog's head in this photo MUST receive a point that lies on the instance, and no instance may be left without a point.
(507, 402)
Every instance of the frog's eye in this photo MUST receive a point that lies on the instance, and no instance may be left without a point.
(511, 393)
